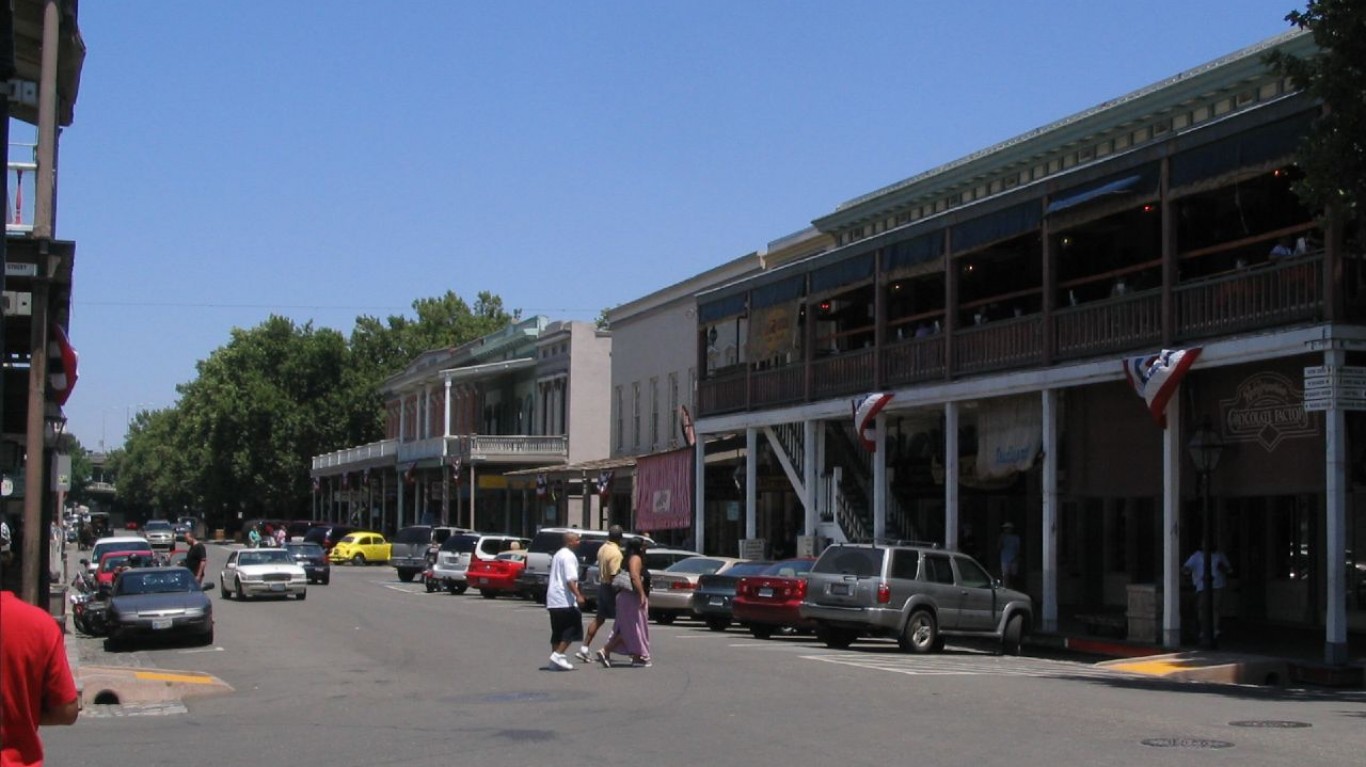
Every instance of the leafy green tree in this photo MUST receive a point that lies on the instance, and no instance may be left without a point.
(1333, 156)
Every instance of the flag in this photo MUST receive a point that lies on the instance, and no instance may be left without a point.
(1156, 376)
(316, 485)
(455, 469)
(540, 485)
(605, 484)
(62, 364)
(346, 482)
(410, 474)
(365, 477)
(865, 415)
(685, 425)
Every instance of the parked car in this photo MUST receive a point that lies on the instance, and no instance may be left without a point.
(158, 602)
(543, 546)
(327, 536)
(159, 533)
(361, 548)
(711, 601)
(671, 590)
(115, 543)
(655, 560)
(914, 594)
(111, 561)
(313, 559)
(771, 601)
(492, 577)
(412, 545)
(262, 572)
(460, 551)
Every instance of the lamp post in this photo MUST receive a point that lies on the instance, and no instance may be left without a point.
(1205, 448)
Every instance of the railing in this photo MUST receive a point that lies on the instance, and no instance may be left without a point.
(919, 359)
(777, 386)
(511, 447)
(722, 394)
(384, 449)
(846, 373)
(792, 439)
(1108, 326)
(998, 345)
(1249, 299)
(421, 449)
(23, 192)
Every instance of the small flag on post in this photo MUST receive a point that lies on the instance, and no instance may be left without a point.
(410, 474)
(316, 485)
(1156, 376)
(365, 477)
(865, 415)
(540, 486)
(605, 484)
(455, 469)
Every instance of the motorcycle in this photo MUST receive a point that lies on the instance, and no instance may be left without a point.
(88, 606)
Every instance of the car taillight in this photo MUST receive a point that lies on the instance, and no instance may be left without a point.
(884, 593)
(799, 590)
(682, 586)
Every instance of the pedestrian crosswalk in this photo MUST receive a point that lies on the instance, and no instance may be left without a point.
(966, 664)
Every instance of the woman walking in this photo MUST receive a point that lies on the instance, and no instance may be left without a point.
(631, 632)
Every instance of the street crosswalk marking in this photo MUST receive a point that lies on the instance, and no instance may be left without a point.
(133, 709)
(967, 665)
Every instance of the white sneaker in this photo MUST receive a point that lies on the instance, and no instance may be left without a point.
(561, 662)
(584, 655)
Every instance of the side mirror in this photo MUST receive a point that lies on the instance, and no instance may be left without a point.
(996, 583)
(232, 565)
(85, 562)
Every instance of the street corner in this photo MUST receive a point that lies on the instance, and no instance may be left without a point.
(1213, 668)
(120, 685)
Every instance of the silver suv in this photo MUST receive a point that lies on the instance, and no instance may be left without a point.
(916, 594)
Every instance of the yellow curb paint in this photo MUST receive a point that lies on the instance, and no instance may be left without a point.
(1153, 667)
(187, 678)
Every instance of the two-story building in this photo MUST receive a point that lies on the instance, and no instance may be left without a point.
(997, 298)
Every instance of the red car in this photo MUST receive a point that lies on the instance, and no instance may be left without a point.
(111, 561)
(492, 577)
(769, 602)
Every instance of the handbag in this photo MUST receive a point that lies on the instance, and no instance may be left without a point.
(622, 580)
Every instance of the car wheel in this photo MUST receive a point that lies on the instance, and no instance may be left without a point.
(326, 580)
(1013, 636)
(837, 639)
(489, 594)
(237, 587)
(920, 634)
(664, 619)
(358, 560)
(718, 624)
(761, 632)
(303, 595)
(459, 588)
(406, 575)
(223, 589)
(207, 638)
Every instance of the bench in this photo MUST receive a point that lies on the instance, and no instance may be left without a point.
(1104, 624)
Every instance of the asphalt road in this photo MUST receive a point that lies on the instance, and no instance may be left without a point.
(369, 670)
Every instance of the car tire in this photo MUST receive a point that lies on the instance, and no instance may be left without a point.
(237, 587)
(1013, 636)
(920, 634)
(325, 581)
(457, 588)
(223, 589)
(302, 595)
(358, 560)
(664, 619)
(490, 594)
(406, 576)
(761, 632)
(207, 638)
(837, 639)
(718, 624)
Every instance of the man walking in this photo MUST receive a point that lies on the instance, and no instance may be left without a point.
(196, 558)
(609, 563)
(35, 681)
(1195, 567)
(562, 600)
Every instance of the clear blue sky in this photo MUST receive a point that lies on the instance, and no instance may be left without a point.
(322, 160)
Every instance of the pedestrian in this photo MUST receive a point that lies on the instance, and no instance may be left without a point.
(36, 685)
(280, 536)
(196, 558)
(253, 537)
(1195, 566)
(631, 630)
(609, 564)
(1009, 547)
(562, 600)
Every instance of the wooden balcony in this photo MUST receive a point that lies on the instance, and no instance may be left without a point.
(841, 374)
(1102, 327)
(1251, 299)
(913, 361)
(359, 457)
(509, 448)
(999, 345)
(777, 386)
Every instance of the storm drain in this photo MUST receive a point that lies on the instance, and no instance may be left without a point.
(1186, 743)
(106, 698)
(1274, 724)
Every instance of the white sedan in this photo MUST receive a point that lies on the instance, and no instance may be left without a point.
(262, 572)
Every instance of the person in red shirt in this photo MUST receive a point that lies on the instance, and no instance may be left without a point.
(35, 681)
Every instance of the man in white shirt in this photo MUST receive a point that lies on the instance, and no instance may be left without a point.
(562, 600)
(1195, 566)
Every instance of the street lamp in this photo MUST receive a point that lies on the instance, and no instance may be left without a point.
(1205, 448)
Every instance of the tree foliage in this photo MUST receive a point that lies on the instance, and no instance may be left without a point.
(1333, 156)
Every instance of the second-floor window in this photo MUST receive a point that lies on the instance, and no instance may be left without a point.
(654, 413)
(673, 408)
(635, 415)
(621, 421)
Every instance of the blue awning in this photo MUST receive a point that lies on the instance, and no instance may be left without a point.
(1082, 196)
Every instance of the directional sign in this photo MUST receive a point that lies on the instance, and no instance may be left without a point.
(1311, 406)
(1318, 382)
(1317, 370)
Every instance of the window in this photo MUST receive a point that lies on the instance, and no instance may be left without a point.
(621, 420)
(938, 569)
(673, 406)
(654, 413)
(971, 574)
(905, 564)
(635, 415)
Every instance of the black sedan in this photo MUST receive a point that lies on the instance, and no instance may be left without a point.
(715, 592)
(158, 602)
(313, 559)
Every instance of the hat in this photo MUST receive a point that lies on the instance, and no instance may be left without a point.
(1008, 526)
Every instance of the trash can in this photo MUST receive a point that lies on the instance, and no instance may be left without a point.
(1144, 612)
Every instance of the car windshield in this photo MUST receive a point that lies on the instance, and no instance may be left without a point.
(275, 557)
(862, 561)
(109, 563)
(695, 566)
(306, 550)
(790, 567)
(157, 524)
(749, 568)
(461, 544)
(350, 539)
(105, 548)
(420, 534)
(155, 582)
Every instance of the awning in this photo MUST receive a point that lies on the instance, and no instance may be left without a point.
(488, 370)
(1125, 185)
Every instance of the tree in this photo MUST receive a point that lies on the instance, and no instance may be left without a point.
(1333, 156)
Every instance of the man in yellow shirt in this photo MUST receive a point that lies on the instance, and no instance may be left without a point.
(609, 563)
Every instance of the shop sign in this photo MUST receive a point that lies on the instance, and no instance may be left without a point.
(1266, 408)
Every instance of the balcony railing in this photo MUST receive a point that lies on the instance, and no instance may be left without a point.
(519, 448)
(999, 345)
(843, 373)
(778, 386)
(1248, 299)
(1102, 327)
(919, 359)
(384, 450)
(421, 449)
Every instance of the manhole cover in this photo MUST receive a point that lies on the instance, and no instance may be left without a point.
(1186, 743)
(515, 697)
(1283, 724)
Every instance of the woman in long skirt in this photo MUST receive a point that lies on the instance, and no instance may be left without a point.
(631, 631)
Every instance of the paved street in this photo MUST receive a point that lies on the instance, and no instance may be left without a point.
(368, 670)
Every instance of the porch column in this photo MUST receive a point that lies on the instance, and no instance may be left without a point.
(1335, 522)
(1050, 510)
(751, 480)
(472, 489)
(446, 416)
(699, 470)
(951, 475)
(1172, 449)
(809, 475)
(402, 497)
(880, 478)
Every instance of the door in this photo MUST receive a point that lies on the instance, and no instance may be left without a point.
(938, 584)
(977, 606)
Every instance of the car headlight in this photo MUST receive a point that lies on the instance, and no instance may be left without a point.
(194, 612)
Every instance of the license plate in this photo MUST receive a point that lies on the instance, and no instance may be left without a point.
(765, 592)
(717, 601)
(839, 588)
(161, 623)
(277, 587)
(483, 581)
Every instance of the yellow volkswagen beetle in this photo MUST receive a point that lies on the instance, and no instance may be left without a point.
(361, 548)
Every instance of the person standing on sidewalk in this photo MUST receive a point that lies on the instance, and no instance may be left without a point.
(562, 600)
(1195, 566)
(196, 558)
(36, 686)
(609, 563)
